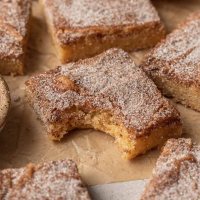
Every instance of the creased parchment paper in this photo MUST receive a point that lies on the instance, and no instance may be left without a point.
(98, 157)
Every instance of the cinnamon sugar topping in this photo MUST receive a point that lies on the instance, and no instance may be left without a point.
(85, 13)
(108, 82)
(178, 56)
(13, 27)
(54, 180)
(73, 16)
(177, 172)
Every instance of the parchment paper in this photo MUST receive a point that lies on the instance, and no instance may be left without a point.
(99, 160)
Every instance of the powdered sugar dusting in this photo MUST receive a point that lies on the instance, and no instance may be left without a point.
(13, 26)
(110, 82)
(177, 172)
(54, 180)
(179, 55)
(70, 18)
(85, 13)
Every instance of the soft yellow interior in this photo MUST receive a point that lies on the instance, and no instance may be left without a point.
(103, 121)
(91, 45)
(186, 95)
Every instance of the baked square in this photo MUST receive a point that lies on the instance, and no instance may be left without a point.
(174, 64)
(176, 175)
(107, 93)
(83, 28)
(14, 28)
(53, 180)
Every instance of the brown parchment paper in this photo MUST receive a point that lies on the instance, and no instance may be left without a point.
(98, 157)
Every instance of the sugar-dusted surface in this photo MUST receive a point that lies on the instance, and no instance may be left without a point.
(108, 82)
(87, 13)
(178, 56)
(97, 158)
(71, 17)
(53, 180)
(13, 27)
(177, 172)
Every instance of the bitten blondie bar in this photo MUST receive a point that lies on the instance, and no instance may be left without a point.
(108, 93)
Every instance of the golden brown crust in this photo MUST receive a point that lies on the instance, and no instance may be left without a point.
(109, 86)
(85, 24)
(14, 25)
(176, 175)
(176, 61)
(53, 180)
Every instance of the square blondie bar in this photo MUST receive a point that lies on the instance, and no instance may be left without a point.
(107, 93)
(176, 174)
(83, 28)
(174, 64)
(54, 180)
(14, 29)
